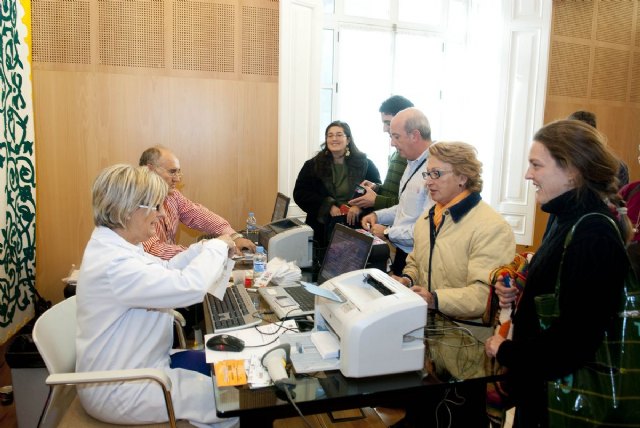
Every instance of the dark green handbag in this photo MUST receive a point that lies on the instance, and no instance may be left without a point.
(606, 391)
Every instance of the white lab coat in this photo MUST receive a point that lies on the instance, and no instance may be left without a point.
(124, 320)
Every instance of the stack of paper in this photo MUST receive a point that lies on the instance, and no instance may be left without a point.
(279, 272)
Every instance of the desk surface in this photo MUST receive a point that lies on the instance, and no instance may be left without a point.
(331, 391)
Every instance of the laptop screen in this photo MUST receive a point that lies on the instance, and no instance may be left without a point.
(280, 208)
(348, 251)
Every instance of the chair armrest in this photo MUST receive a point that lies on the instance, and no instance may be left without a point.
(103, 376)
(179, 318)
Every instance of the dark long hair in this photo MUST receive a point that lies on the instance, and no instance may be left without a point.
(324, 159)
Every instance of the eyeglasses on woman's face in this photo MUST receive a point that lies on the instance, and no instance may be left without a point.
(434, 174)
(149, 207)
(337, 135)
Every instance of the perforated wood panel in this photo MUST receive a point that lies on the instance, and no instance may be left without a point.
(131, 33)
(204, 36)
(61, 31)
(569, 69)
(573, 18)
(635, 79)
(610, 72)
(615, 21)
(637, 35)
(259, 41)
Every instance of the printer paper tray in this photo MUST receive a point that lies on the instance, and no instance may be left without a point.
(304, 355)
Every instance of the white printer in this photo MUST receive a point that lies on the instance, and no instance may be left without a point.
(379, 323)
(290, 239)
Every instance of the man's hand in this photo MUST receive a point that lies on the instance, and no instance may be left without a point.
(368, 221)
(365, 201)
(369, 184)
(243, 243)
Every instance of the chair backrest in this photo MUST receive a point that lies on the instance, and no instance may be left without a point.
(54, 333)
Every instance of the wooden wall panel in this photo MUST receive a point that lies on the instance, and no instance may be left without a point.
(110, 99)
(595, 66)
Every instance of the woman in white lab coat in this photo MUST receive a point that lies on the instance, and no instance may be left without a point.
(125, 297)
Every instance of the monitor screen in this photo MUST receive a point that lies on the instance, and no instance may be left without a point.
(280, 208)
(348, 251)
(282, 225)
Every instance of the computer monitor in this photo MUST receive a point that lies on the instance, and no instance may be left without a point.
(280, 208)
(348, 250)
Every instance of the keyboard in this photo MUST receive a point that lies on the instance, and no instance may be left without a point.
(304, 299)
(234, 311)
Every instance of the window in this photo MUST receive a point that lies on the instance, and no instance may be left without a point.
(477, 68)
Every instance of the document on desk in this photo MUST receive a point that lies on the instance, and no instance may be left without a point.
(305, 356)
(257, 340)
(220, 287)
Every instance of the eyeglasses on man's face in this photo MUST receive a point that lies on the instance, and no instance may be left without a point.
(173, 172)
(149, 207)
(434, 174)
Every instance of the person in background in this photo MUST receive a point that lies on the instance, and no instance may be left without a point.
(386, 195)
(178, 209)
(328, 181)
(590, 118)
(411, 136)
(574, 173)
(124, 302)
(631, 194)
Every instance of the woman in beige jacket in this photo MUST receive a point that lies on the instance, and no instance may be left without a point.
(458, 242)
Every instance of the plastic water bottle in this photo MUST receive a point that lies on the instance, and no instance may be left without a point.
(259, 263)
(252, 228)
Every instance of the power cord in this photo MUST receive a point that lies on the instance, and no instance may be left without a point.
(286, 388)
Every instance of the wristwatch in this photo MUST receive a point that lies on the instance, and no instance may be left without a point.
(386, 233)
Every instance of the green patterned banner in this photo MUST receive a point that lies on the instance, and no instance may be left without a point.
(17, 171)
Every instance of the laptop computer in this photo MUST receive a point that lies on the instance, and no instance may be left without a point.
(280, 208)
(348, 250)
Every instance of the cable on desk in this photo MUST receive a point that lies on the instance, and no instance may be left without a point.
(285, 388)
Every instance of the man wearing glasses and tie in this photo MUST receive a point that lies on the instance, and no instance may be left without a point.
(411, 136)
(178, 209)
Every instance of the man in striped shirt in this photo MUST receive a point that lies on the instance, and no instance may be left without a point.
(178, 209)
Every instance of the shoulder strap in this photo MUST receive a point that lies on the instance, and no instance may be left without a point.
(569, 237)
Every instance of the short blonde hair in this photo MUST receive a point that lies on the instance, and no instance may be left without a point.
(463, 160)
(120, 189)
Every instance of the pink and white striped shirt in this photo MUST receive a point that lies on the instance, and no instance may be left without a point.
(178, 209)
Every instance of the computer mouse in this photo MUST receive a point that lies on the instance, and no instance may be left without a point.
(225, 342)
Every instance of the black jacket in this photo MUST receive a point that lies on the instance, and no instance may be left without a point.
(314, 191)
(593, 272)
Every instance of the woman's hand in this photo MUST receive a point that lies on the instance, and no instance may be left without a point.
(426, 295)
(335, 211)
(506, 295)
(353, 215)
(230, 244)
(492, 344)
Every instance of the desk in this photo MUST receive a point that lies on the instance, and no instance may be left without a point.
(331, 391)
